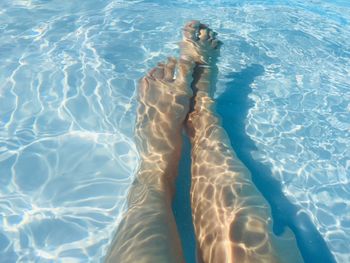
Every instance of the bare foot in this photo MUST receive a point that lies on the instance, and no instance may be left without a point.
(163, 106)
(199, 44)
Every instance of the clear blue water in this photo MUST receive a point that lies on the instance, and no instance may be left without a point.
(68, 74)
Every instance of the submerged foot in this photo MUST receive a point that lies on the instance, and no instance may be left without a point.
(200, 43)
(163, 106)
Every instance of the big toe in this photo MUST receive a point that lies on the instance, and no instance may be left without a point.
(191, 30)
(204, 34)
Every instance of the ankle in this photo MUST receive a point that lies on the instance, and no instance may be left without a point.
(142, 190)
(159, 174)
(202, 117)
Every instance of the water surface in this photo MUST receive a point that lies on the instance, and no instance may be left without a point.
(68, 75)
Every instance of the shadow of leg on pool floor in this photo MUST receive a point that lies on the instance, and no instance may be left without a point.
(233, 106)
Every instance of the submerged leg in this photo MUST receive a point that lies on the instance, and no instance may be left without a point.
(147, 232)
(232, 220)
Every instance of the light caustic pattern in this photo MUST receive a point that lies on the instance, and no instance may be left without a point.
(300, 120)
(68, 74)
(66, 157)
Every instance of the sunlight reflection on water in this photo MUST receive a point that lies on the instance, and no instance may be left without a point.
(68, 75)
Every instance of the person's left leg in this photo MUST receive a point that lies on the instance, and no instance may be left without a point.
(147, 232)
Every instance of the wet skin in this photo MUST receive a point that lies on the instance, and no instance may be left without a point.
(147, 232)
(231, 218)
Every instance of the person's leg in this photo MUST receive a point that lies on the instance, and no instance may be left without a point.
(232, 220)
(147, 232)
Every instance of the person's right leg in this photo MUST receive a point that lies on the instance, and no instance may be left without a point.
(147, 232)
(232, 220)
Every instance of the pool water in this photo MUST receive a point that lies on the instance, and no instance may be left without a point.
(68, 76)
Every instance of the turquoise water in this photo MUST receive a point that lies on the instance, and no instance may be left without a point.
(68, 75)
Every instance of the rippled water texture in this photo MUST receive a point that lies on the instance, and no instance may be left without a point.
(68, 74)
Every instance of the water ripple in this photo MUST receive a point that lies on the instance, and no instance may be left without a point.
(68, 75)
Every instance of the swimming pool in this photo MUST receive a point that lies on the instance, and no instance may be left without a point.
(68, 75)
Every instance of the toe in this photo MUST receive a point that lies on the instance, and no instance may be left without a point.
(143, 87)
(191, 34)
(185, 71)
(170, 69)
(157, 73)
(204, 34)
(191, 30)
